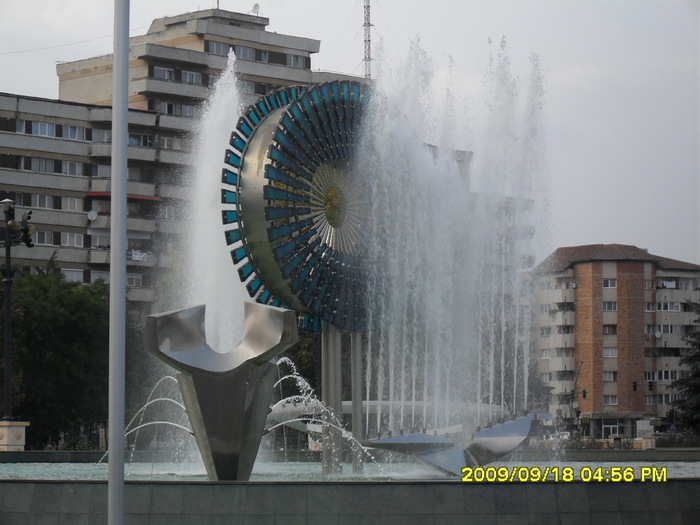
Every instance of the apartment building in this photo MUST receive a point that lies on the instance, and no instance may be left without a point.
(55, 160)
(173, 66)
(609, 335)
(55, 154)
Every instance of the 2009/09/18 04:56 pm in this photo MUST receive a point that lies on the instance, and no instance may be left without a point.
(566, 474)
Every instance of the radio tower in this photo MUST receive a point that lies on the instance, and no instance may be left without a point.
(368, 43)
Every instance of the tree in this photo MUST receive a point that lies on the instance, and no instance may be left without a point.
(689, 387)
(61, 357)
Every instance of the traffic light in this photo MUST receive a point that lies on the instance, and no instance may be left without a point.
(583, 393)
(649, 386)
(634, 386)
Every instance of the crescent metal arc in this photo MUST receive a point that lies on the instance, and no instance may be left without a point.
(294, 207)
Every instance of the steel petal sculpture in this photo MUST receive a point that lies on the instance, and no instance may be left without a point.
(227, 395)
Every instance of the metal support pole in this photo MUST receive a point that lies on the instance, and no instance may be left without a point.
(358, 457)
(331, 395)
(7, 281)
(117, 306)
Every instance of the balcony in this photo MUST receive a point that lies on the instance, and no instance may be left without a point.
(58, 218)
(167, 226)
(132, 224)
(167, 87)
(104, 185)
(133, 258)
(104, 149)
(41, 145)
(557, 364)
(28, 181)
(140, 294)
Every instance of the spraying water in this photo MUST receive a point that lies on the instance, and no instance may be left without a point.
(449, 235)
(211, 278)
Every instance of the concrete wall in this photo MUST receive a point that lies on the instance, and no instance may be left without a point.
(83, 503)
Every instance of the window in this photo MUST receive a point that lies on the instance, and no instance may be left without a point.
(100, 241)
(71, 168)
(133, 279)
(609, 376)
(610, 306)
(649, 400)
(648, 376)
(102, 135)
(187, 110)
(166, 142)
(565, 352)
(73, 275)
(544, 308)
(74, 240)
(610, 400)
(163, 73)
(668, 328)
(71, 204)
(139, 139)
(649, 307)
(565, 329)
(295, 61)
(667, 284)
(166, 212)
(95, 275)
(609, 329)
(246, 87)
(191, 77)
(218, 48)
(244, 53)
(73, 132)
(648, 284)
(43, 128)
(610, 351)
(668, 307)
(544, 354)
(20, 126)
(685, 284)
(545, 331)
(40, 200)
(167, 108)
(43, 237)
(38, 164)
(609, 283)
(546, 376)
(263, 56)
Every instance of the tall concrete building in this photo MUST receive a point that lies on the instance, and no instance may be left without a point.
(609, 335)
(55, 154)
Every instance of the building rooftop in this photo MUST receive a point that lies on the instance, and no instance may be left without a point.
(566, 257)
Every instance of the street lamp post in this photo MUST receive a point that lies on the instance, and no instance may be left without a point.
(16, 232)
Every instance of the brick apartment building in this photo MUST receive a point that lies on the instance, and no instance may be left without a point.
(609, 338)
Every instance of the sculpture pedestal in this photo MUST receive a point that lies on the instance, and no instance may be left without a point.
(12, 435)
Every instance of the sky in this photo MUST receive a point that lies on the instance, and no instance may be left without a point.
(620, 116)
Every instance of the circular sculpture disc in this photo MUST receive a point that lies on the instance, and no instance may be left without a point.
(294, 205)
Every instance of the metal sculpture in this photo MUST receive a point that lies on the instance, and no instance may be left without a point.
(227, 395)
(293, 205)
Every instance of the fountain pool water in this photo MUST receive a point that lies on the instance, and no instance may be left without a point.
(301, 471)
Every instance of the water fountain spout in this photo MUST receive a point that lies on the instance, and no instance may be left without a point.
(227, 395)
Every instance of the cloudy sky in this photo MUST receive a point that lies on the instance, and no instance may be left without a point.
(621, 107)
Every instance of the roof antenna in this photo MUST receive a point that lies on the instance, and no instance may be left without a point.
(368, 43)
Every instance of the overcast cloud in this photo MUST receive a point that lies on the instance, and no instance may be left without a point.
(621, 107)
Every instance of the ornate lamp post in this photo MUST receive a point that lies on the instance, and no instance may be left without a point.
(16, 232)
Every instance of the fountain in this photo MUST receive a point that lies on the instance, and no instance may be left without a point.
(337, 205)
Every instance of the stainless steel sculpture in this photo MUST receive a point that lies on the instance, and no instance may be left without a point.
(227, 395)
(294, 204)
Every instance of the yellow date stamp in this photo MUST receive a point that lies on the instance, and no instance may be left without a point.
(564, 474)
